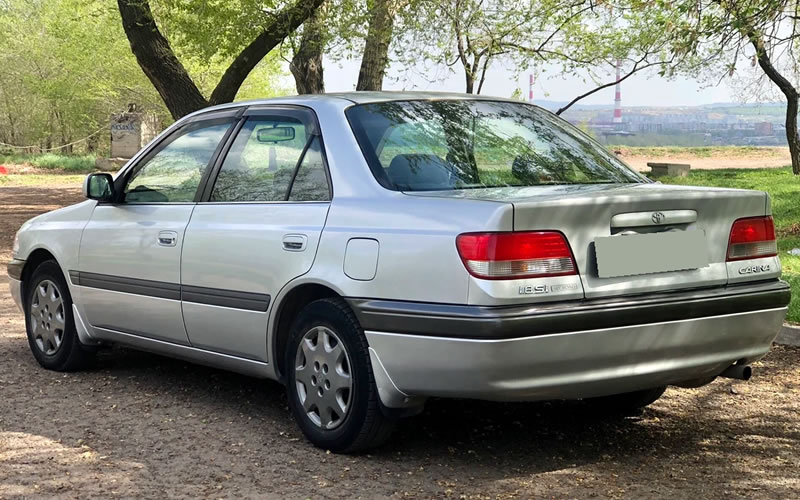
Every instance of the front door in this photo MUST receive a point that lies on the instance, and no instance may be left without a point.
(257, 230)
(129, 263)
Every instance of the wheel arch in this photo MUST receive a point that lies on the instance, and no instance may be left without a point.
(35, 258)
(288, 305)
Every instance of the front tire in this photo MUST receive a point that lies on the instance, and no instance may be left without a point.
(330, 384)
(51, 331)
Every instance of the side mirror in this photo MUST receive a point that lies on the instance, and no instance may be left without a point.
(99, 187)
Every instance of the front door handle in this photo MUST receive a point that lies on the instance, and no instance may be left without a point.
(294, 242)
(167, 238)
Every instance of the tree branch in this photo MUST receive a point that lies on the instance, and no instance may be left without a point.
(157, 59)
(170, 78)
(279, 28)
(635, 69)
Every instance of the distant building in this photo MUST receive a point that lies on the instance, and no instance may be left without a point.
(764, 128)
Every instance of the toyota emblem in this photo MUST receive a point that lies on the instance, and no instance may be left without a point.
(658, 217)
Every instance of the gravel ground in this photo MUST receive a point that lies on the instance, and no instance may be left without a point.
(766, 157)
(146, 426)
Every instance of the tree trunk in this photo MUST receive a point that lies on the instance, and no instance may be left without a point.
(791, 133)
(306, 65)
(158, 61)
(376, 46)
(282, 25)
(791, 98)
(470, 82)
(168, 75)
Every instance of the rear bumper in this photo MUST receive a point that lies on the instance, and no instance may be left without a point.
(569, 350)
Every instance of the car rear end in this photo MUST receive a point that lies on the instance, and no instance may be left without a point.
(608, 283)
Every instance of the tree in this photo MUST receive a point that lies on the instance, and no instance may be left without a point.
(67, 68)
(306, 65)
(771, 29)
(718, 35)
(375, 58)
(474, 33)
(167, 73)
(333, 30)
(580, 36)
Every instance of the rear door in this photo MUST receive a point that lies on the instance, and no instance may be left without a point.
(257, 228)
(129, 263)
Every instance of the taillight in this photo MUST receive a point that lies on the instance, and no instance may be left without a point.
(515, 255)
(752, 238)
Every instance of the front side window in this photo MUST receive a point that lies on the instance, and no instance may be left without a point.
(273, 158)
(462, 144)
(174, 172)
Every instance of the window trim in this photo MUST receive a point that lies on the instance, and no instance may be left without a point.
(306, 115)
(165, 140)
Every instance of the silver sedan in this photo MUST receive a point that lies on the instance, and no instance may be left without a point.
(373, 250)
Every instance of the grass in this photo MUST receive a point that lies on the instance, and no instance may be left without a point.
(697, 151)
(67, 180)
(52, 161)
(784, 189)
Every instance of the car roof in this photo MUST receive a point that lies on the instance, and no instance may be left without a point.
(356, 97)
(362, 97)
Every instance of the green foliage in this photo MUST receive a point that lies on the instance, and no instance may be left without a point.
(784, 190)
(52, 161)
(217, 30)
(575, 35)
(67, 66)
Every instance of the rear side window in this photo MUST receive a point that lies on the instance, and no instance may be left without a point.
(272, 158)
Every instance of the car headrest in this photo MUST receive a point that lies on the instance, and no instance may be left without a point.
(524, 169)
(419, 172)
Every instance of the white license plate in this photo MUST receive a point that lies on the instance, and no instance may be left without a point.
(634, 254)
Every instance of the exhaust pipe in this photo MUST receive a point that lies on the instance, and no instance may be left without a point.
(741, 372)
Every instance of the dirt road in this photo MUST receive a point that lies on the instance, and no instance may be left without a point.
(767, 157)
(140, 425)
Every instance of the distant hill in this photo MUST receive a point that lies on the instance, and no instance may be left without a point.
(732, 108)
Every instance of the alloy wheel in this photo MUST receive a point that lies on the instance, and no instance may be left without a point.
(47, 317)
(323, 378)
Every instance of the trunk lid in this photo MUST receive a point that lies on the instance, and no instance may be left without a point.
(585, 213)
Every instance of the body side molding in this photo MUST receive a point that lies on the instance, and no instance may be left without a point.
(173, 291)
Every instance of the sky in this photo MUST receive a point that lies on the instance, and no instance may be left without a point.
(638, 90)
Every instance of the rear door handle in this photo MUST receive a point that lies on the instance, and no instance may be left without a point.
(294, 242)
(167, 238)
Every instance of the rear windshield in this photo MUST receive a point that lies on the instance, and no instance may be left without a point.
(461, 144)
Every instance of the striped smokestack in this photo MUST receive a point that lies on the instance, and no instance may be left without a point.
(530, 87)
(618, 96)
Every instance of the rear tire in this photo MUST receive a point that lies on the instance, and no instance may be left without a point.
(50, 326)
(628, 402)
(330, 384)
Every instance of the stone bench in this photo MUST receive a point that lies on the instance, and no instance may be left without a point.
(670, 169)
